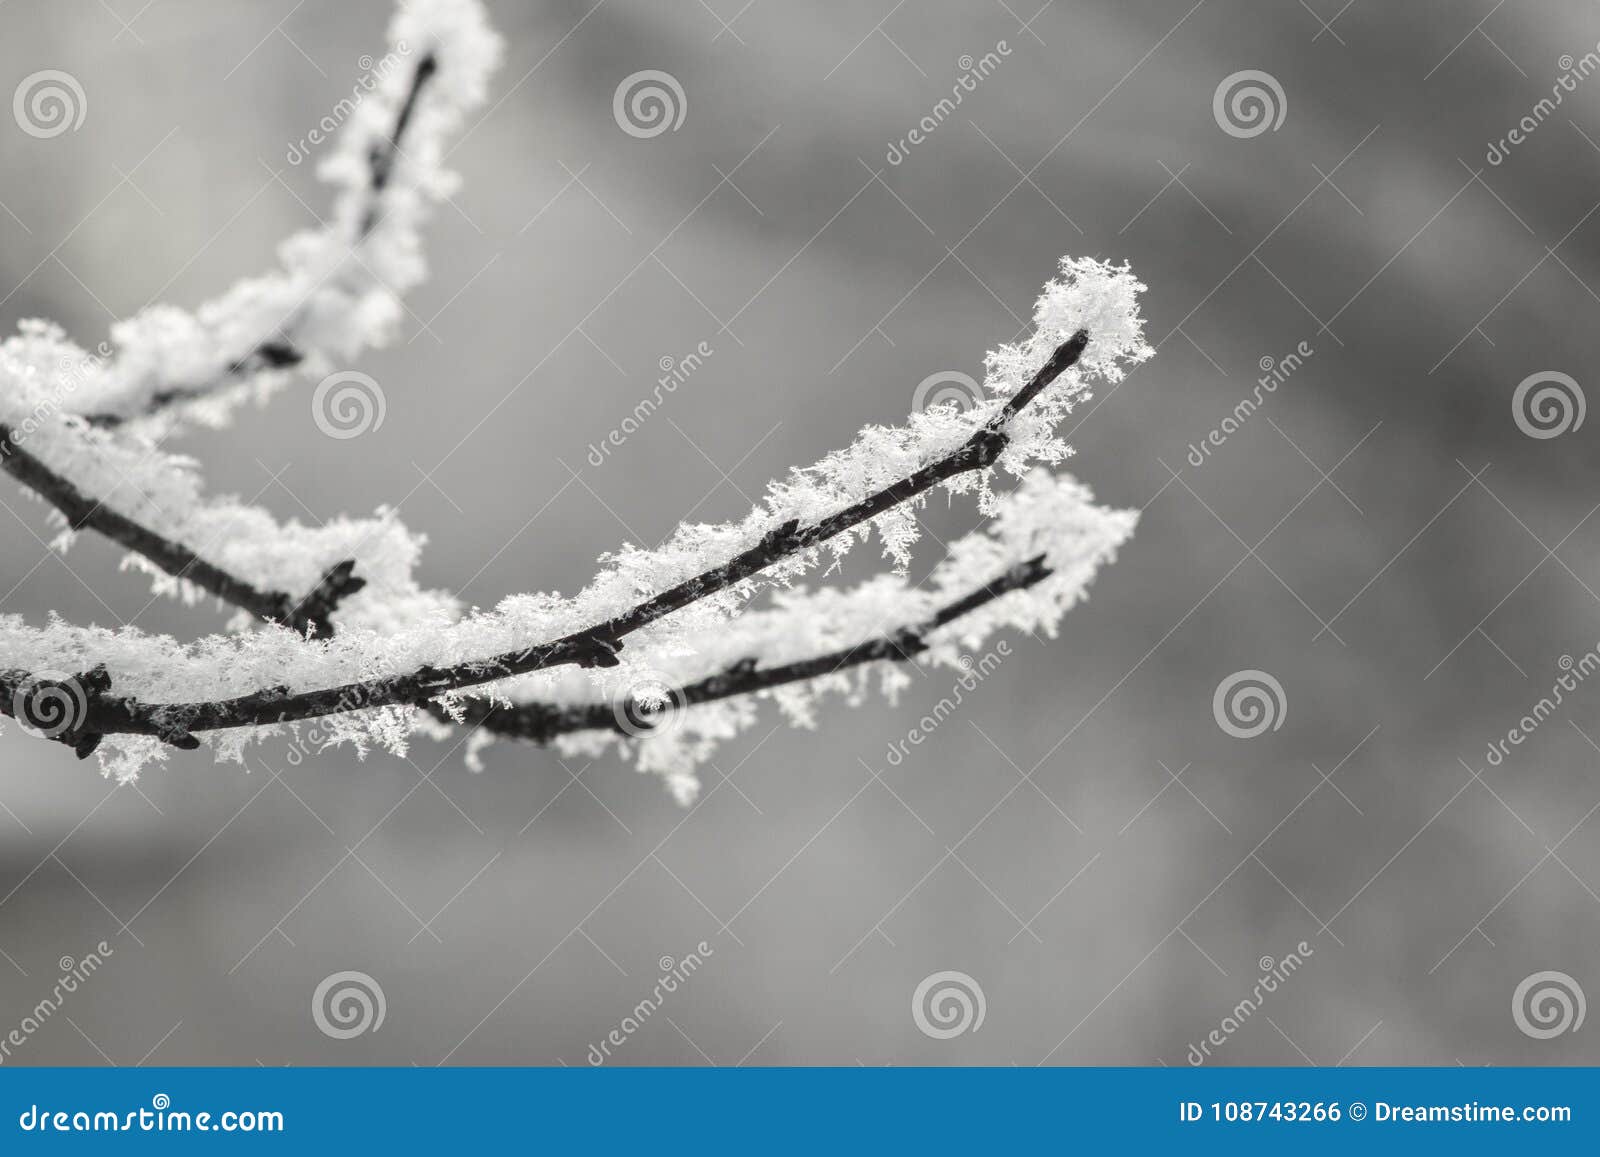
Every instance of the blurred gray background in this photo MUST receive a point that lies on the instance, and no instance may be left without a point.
(1381, 537)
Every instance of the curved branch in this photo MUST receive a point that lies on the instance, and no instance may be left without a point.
(542, 722)
(310, 614)
(105, 714)
(83, 512)
(279, 351)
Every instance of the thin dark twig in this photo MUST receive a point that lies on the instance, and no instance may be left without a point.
(592, 646)
(280, 352)
(83, 512)
(542, 722)
(381, 162)
(269, 355)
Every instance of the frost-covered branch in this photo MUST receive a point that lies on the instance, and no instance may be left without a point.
(337, 292)
(401, 648)
(121, 484)
(661, 652)
(27, 696)
(677, 714)
(311, 613)
(640, 713)
(592, 646)
(279, 351)
(990, 581)
(382, 163)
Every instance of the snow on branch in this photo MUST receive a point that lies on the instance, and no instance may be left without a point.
(337, 292)
(119, 483)
(283, 680)
(778, 538)
(312, 613)
(658, 637)
(1025, 570)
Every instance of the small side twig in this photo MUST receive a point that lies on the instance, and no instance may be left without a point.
(314, 612)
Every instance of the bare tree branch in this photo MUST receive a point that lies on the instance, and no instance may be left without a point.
(105, 714)
(82, 512)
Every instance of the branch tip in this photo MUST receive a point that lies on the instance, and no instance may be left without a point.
(312, 614)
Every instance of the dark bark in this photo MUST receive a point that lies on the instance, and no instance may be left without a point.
(382, 160)
(84, 513)
(542, 722)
